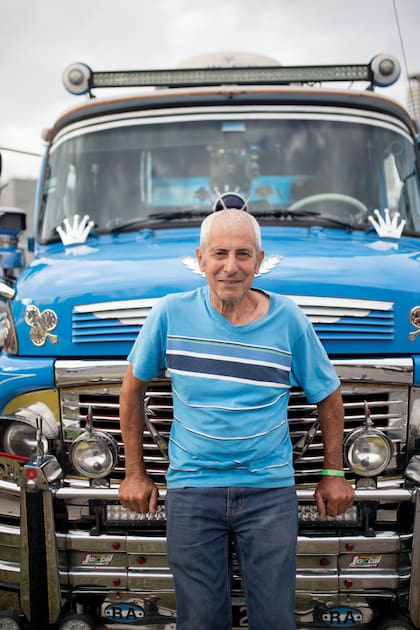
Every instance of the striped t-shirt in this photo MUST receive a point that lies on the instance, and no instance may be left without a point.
(231, 387)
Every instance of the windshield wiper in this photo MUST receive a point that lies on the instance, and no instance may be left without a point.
(285, 213)
(193, 213)
(161, 216)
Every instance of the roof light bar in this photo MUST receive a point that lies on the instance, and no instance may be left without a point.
(382, 71)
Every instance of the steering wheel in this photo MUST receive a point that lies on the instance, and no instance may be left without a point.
(358, 206)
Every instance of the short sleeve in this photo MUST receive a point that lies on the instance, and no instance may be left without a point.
(312, 370)
(147, 355)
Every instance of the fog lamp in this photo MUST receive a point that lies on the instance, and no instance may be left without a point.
(368, 451)
(94, 454)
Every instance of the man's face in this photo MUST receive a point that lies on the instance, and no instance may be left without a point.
(229, 260)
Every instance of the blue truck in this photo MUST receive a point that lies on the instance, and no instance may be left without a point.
(332, 174)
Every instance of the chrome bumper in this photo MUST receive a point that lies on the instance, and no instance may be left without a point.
(327, 566)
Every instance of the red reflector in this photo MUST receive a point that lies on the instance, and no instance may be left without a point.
(31, 473)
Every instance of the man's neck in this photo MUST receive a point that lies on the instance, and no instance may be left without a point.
(251, 307)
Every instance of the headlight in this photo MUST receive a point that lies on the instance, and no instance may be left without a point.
(368, 451)
(94, 454)
(20, 433)
(19, 438)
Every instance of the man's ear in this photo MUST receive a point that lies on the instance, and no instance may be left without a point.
(260, 258)
(200, 258)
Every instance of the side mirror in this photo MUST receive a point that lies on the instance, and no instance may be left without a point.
(12, 221)
(12, 224)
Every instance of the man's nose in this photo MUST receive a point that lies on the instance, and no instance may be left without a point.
(231, 264)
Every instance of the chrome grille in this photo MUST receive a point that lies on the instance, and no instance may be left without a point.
(388, 405)
(333, 319)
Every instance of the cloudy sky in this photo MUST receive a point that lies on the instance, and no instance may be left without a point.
(39, 38)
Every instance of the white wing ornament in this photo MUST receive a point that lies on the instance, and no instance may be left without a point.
(266, 266)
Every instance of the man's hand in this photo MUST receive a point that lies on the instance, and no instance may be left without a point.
(139, 493)
(333, 495)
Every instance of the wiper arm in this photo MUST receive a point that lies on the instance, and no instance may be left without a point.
(178, 214)
(283, 213)
(161, 216)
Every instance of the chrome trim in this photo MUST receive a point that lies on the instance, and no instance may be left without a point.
(414, 415)
(414, 598)
(128, 312)
(8, 487)
(156, 574)
(85, 492)
(392, 370)
(7, 292)
(76, 373)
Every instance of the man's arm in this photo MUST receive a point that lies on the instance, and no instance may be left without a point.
(137, 491)
(334, 495)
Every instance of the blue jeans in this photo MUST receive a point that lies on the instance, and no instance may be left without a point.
(202, 522)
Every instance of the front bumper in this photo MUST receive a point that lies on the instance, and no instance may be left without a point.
(336, 569)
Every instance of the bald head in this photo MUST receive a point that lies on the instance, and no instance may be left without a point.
(230, 220)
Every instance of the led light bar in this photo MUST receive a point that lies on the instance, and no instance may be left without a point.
(115, 514)
(382, 71)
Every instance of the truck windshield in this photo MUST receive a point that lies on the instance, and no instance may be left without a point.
(308, 167)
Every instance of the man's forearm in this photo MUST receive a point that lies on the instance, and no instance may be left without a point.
(132, 424)
(331, 420)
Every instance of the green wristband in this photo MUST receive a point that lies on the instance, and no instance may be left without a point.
(328, 472)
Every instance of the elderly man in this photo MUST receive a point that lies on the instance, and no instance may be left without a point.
(233, 352)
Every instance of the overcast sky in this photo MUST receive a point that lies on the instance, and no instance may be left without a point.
(39, 38)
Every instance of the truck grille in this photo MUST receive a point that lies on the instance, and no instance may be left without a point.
(333, 319)
(387, 403)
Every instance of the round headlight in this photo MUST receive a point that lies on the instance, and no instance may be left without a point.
(368, 451)
(94, 454)
(19, 438)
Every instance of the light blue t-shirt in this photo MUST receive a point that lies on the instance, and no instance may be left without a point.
(231, 387)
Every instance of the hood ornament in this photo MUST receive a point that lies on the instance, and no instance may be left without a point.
(266, 266)
(387, 226)
(77, 232)
(41, 325)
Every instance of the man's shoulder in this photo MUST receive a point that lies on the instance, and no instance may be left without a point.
(184, 300)
(185, 296)
(284, 301)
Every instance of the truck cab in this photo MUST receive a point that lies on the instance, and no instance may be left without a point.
(332, 176)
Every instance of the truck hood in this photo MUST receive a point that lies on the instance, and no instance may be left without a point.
(90, 300)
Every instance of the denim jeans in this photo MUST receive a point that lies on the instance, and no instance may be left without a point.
(202, 522)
